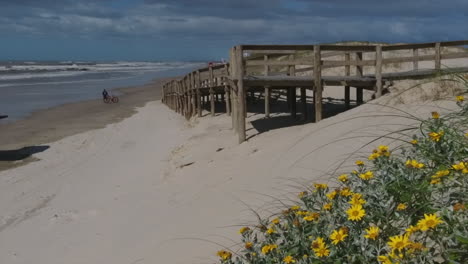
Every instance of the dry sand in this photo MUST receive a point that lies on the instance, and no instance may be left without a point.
(20, 139)
(156, 189)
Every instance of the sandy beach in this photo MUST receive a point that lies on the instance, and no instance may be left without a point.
(153, 188)
(21, 138)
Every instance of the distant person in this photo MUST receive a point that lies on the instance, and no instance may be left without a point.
(105, 94)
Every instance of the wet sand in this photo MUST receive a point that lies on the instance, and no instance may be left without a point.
(20, 139)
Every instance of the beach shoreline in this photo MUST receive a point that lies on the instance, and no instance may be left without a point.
(22, 138)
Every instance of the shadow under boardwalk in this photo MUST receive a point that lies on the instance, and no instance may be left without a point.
(21, 154)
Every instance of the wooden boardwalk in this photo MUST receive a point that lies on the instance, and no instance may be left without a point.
(263, 68)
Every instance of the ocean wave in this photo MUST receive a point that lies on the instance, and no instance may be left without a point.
(32, 70)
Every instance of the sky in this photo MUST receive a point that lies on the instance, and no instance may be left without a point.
(189, 30)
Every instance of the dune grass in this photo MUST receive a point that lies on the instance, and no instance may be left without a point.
(406, 205)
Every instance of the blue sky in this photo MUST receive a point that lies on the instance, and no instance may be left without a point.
(205, 29)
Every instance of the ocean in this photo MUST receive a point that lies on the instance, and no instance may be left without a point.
(28, 86)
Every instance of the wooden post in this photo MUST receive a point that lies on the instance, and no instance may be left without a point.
(212, 98)
(359, 73)
(378, 70)
(304, 103)
(415, 59)
(292, 72)
(226, 90)
(199, 96)
(266, 72)
(437, 56)
(241, 94)
(347, 73)
(194, 97)
(233, 76)
(318, 83)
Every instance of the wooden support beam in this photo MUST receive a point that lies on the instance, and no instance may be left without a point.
(212, 95)
(415, 59)
(304, 103)
(233, 75)
(378, 71)
(241, 94)
(318, 83)
(347, 88)
(292, 91)
(199, 96)
(437, 56)
(267, 101)
(359, 73)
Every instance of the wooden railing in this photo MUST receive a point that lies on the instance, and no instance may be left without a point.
(261, 68)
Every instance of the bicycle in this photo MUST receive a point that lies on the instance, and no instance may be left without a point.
(111, 99)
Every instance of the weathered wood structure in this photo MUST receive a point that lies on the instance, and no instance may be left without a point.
(263, 68)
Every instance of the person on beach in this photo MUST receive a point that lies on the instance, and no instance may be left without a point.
(105, 94)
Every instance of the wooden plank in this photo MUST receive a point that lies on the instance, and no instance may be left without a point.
(356, 48)
(409, 59)
(318, 83)
(305, 61)
(331, 64)
(458, 55)
(378, 71)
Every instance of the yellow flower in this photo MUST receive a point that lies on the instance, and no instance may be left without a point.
(248, 245)
(430, 221)
(302, 213)
(374, 156)
(372, 232)
(317, 243)
(319, 186)
(302, 194)
(346, 192)
(243, 230)
(399, 242)
(305, 256)
(414, 164)
(366, 176)
(462, 166)
(327, 206)
(357, 199)
(435, 115)
(411, 229)
(436, 136)
(271, 230)
(414, 141)
(343, 178)
(289, 259)
(275, 221)
(354, 172)
(460, 98)
(311, 216)
(356, 213)
(401, 207)
(224, 255)
(413, 246)
(440, 174)
(322, 252)
(268, 248)
(295, 207)
(332, 195)
(359, 162)
(319, 247)
(435, 181)
(384, 260)
(338, 236)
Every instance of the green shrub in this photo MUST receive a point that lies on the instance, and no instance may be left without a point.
(402, 207)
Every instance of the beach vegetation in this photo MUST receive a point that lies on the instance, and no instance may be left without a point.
(403, 205)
